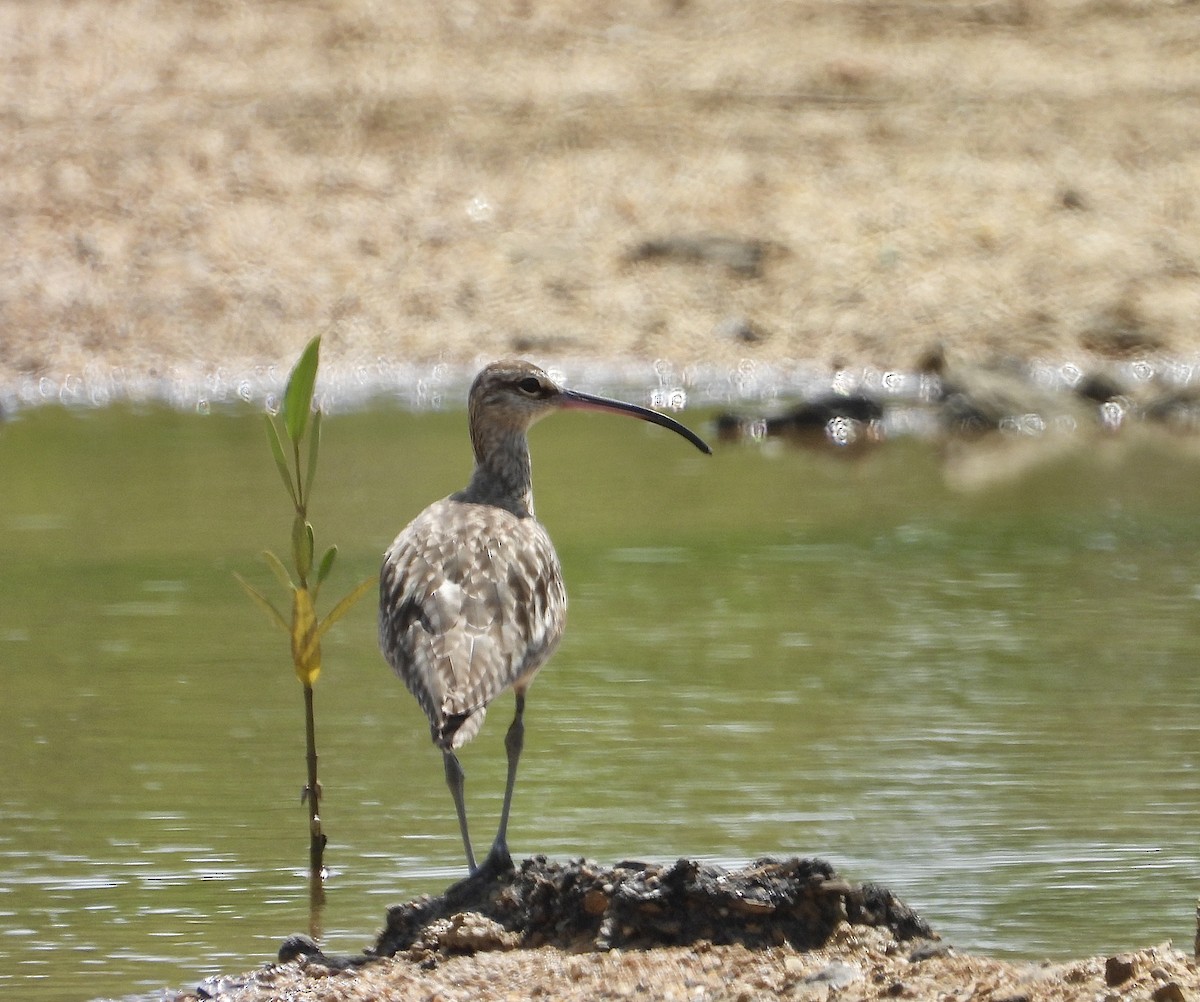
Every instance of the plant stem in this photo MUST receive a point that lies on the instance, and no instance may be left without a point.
(316, 845)
(316, 907)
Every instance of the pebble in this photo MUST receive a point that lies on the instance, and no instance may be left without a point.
(836, 975)
(595, 902)
(1118, 970)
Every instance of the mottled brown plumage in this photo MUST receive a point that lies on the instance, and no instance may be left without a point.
(474, 603)
(472, 600)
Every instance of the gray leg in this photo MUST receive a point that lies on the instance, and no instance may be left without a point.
(454, 780)
(514, 741)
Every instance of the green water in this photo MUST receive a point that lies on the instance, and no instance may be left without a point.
(987, 701)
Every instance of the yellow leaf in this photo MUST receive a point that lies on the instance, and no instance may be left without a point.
(262, 601)
(339, 610)
(306, 641)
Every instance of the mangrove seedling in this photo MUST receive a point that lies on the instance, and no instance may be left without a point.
(295, 454)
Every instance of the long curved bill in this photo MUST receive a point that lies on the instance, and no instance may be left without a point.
(575, 400)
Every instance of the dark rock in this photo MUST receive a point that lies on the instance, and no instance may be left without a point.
(1170, 992)
(296, 946)
(927, 951)
(815, 414)
(838, 419)
(1118, 970)
(305, 949)
(1099, 387)
(731, 427)
(743, 257)
(873, 904)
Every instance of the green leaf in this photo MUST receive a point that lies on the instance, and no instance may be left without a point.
(297, 398)
(314, 440)
(302, 547)
(339, 610)
(264, 603)
(280, 462)
(326, 565)
(278, 569)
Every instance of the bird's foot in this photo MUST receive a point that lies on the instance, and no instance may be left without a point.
(498, 863)
(499, 860)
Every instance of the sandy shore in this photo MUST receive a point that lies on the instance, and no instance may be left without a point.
(198, 188)
(858, 965)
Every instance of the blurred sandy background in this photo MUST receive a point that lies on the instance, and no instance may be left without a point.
(202, 183)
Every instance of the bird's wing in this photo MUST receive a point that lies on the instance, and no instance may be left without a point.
(471, 602)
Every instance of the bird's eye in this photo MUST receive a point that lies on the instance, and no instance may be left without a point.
(531, 385)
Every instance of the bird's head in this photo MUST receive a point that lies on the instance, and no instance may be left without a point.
(513, 395)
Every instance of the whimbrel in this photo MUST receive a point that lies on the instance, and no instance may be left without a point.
(472, 600)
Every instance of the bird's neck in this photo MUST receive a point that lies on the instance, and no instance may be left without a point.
(503, 474)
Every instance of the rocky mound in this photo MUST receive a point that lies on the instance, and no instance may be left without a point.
(580, 905)
(576, 931)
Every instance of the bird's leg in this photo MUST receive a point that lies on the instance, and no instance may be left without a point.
(514, 741)
(454, 780)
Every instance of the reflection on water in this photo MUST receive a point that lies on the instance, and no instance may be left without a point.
(985, 700)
